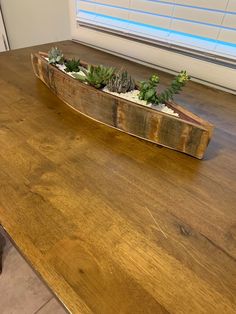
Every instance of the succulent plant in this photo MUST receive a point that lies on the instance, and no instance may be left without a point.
(148, 89)
(121, 82)
(55, 56)
(176, 86)
(97, 76)
(72, 65)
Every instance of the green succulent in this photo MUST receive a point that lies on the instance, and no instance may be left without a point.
(96, 75)
(148, 89)
(121, 82)
(176, 86)
(72, 65)
(55, 56)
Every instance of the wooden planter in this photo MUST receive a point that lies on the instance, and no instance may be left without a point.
(187, 133)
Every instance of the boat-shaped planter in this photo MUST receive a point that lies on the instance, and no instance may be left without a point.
(186, 133)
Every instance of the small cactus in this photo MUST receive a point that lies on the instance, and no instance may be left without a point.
(55, 56)
(121, 82)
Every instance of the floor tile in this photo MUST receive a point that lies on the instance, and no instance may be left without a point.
(21, 291)
(52, 307)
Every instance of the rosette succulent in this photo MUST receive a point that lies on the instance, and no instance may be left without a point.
(55, 56)
(72, 65)
(96, 75)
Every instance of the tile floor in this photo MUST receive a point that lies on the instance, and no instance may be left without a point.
(21, 291)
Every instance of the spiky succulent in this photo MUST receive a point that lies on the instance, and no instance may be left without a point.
(55, 56)
(148, 89)
(72, 65)
(96, 75)
(121, 82)
(176, 86)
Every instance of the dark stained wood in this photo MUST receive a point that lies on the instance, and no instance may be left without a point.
(187, 133)
(114, 224)
(2, 245)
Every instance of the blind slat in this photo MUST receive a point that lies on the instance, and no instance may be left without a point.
(232, 6)
(152, 7)
(206, 4)
(204, 25)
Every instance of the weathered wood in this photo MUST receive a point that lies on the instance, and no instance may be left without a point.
(186, 133)
(111, 225)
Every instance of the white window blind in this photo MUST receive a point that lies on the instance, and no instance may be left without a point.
(202, 26)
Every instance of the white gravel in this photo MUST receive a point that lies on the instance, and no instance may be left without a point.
(131, 96)
(62, 67)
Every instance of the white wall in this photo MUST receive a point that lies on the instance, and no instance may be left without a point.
(33, 22)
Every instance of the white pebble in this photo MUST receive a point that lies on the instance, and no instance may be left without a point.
(133, 96)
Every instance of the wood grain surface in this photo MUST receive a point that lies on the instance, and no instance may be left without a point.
(114, 224)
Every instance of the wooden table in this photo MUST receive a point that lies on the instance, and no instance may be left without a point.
(114, 224)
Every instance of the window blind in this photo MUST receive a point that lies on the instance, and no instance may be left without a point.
(202, 26)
